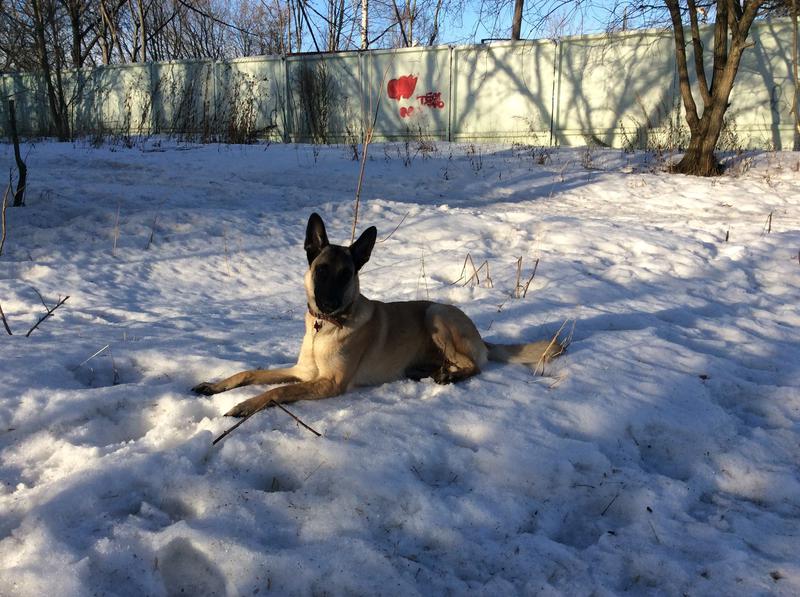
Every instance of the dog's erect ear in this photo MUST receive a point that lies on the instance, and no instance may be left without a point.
(362, 248)
(316, 237)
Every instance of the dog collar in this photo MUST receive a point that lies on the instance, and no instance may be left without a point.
(320, 317)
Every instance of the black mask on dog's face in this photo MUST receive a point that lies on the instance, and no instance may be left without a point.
(332, 279)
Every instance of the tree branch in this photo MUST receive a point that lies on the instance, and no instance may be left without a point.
(689, 104)
(698, 55)
(5, 323)
(230, 430)
(48, 314)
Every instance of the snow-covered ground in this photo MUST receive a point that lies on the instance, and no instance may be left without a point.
(659, 456)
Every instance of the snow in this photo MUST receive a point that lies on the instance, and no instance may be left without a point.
(658, 457)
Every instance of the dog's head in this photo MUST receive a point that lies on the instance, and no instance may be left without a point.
(332, 277)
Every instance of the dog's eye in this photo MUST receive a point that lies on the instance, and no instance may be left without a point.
(343, 276)
(321, 271)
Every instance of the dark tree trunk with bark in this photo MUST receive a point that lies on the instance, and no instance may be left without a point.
(516, 24)
(22, 179)
(56, 114)
(730, 40)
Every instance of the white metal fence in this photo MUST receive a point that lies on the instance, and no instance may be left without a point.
(607, 90)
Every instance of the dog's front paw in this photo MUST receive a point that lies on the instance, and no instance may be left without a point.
(206, 388)
(246, 408)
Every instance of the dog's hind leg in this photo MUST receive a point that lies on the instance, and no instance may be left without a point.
(462, 351)
(247, 378)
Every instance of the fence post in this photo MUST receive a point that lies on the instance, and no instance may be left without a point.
(555, 104)
(215, 124)
(153, 116)
(287, 114)
(364, 92)
(450, 100)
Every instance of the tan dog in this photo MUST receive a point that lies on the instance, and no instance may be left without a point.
(353, 341)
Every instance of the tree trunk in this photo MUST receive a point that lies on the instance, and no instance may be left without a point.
(364, 24)
(19, 196)
(142, 29)
(56, 114)
(74, 10)
(705, 126)
(796, 95)
(516, 24)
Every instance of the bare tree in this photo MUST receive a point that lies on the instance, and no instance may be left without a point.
(731, 31)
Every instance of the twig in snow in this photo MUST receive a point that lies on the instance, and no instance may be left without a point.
(46, 315)
(614, 499)
(654, 532)
(231, 429)
(41, 298)
(271, 403)
(5, 323)
(284, 409)
(395, 228)
(767, 229)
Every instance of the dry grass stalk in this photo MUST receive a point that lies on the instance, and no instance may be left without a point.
(368, 134)
(528, 283)
(106, 347)
(476, 273)
(116, 233)
(423, 276)
(521, 290)
(3, 218)
(152, 232)
(114, 371)
(225, 247)
(554, 341)
(767, 229)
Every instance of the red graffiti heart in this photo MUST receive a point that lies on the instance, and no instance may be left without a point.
(402, 87)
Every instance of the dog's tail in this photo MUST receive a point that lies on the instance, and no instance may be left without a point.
(535, 354)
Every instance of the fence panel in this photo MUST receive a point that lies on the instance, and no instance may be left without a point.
(413, 87)
(249, 99)
(612, 91)
(324, 98)
(503, 92)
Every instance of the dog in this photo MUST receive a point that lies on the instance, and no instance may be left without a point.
(353, 341)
